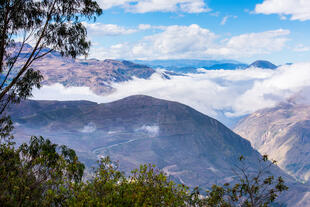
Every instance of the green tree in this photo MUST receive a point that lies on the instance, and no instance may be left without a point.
(43, 174)
(258, 188)
(146, 186)
(38, 174)
(48, 25)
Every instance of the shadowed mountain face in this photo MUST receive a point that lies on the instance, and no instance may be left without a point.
(263, 64)
(95, 74)
(283, 132)
(191, 147)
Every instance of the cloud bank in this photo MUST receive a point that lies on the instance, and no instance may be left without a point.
(296, 9)
(194, 42)
(144, 6)
(233, 93)
(99, 29)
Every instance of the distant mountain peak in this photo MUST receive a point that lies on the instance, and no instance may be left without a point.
(263, 64)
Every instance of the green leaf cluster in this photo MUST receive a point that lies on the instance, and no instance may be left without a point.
(47, 25)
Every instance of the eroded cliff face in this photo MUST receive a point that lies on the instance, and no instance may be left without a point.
(282, 132)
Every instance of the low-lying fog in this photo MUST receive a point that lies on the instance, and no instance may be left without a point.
(222, 94)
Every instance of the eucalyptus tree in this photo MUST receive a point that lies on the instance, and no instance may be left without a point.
(47, 25)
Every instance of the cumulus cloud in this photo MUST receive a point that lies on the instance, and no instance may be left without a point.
(89, 128)
(107, 29)
(152, 131)
(250, 44)
(174, 41)
(193, 41)
(296, 9)
(144, 6)
(100, 29)
(233, 92)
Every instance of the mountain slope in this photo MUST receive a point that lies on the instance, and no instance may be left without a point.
(95, 74)
(191, 66)
(188, 145)
(283, 132)
(263, 64)
(227, 66)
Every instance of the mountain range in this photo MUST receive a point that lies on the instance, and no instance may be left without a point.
(191, 66)
(99, 75)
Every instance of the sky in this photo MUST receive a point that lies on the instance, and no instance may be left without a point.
(244, 30)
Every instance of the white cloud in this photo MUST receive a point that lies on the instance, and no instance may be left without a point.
(193, 41)
(152, 131)
(108, 29)
(225, 18)
(143, 6)
(233, 92)
(108, 4)
(281, 85)
(89, 128)
(65, 93)
(174, 41)
(301, 48)
(297, 9)
(144, 26)
(250, 44)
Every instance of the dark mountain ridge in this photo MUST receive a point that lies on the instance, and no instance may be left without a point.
(189, 145)
(263, 64)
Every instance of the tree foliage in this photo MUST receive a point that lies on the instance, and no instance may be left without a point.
(44, 174)
(258, 188)
(48, 25)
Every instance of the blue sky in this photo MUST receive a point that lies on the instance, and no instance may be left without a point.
(244, 30)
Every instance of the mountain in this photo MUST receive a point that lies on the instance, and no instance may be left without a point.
(95, 74)
(190, 66)
(263, 64)
(189, 146)
(283, 132)
(227, 66)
